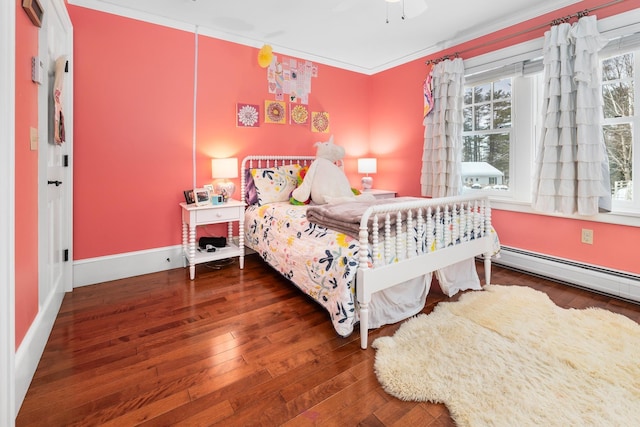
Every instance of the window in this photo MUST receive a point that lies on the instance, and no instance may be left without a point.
(487, 135)
(621, 123)
(503, 120)
(498, 133)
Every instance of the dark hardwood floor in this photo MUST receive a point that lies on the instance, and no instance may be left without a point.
(231, 348)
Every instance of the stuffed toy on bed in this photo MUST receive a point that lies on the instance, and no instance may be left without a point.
(325, 182)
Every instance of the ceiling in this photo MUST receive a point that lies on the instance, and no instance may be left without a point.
(349, 34)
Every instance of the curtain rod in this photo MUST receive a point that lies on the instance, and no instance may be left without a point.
(557, 21)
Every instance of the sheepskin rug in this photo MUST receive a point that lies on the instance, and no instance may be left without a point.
(508, 356)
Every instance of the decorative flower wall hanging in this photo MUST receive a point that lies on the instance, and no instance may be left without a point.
(247, 115)
(320, 122)
(299, 115)
(275, 112)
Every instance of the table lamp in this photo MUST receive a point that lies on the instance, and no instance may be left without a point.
(367, 166)
(221, 171)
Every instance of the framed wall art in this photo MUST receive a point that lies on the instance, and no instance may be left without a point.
(247, 115)
(299, 115)
(275, 112)
(34, 11)
(320, 122)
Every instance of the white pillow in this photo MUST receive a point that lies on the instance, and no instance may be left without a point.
(275, 184)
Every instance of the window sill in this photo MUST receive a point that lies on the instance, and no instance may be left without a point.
(619, 218)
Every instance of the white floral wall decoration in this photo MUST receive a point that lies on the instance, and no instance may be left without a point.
(247, 115)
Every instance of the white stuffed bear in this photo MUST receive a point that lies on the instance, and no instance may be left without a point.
(325, 182)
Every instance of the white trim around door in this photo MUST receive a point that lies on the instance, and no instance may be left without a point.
(7, 211)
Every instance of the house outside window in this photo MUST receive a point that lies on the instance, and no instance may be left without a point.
(480, 175)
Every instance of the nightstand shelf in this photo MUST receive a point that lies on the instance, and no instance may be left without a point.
(229, 251)
(193, 216)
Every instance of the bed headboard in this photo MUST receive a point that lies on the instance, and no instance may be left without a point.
(267, 161)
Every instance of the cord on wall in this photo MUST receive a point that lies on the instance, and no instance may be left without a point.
(195, 99)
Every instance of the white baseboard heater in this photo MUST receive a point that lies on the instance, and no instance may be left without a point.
(611, 282)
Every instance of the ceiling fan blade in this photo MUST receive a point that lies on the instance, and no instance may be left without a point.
(413, 8)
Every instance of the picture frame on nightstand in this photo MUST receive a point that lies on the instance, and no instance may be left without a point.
(188, 197)
(201, 196)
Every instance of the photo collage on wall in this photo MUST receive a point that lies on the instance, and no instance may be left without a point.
(289, 81)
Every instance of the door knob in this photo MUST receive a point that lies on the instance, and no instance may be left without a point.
(56, 182)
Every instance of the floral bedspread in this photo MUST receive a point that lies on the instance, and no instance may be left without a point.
(321, 262)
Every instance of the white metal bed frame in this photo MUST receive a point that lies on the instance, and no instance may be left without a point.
(450, 219)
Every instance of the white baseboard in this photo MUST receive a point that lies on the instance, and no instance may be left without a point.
(30, 351)
(611, 282)
(113, 267)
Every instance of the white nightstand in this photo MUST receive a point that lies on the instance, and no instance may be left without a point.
(193, 216)
(381, 194)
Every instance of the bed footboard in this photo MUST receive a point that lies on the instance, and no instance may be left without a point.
(439, 233)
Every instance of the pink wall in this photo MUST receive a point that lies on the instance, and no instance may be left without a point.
(613, 245)
(397, 133)
(26, 177)
(132, 149)
(396, 105)
(133, 125)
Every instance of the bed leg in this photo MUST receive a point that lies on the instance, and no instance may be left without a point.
(487, 269)
(364, 325)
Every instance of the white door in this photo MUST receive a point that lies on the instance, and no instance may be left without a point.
(55, 177)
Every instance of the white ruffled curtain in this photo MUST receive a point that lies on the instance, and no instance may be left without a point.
(572, 167)
(442, 156)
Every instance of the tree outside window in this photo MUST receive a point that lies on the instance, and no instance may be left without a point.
(618, 91)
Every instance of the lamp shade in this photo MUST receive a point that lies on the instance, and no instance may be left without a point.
(367, 165)
(224, 168)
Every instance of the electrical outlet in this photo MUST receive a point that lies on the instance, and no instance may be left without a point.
(587, 236)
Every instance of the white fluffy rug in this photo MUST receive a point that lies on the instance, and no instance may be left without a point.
(508, 356)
